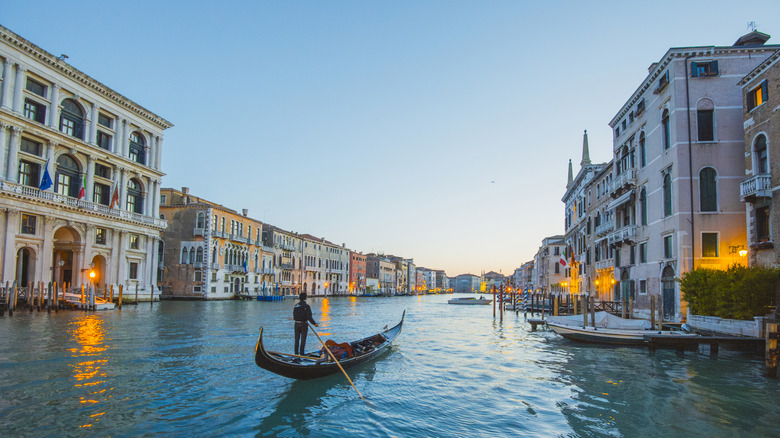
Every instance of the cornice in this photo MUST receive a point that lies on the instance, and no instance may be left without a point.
(760, 68)
(73, 73)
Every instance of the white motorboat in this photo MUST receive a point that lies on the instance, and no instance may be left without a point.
(470, 301)
(609, 329)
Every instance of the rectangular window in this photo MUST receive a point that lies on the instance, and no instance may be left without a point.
(640, 107)
(643, 252)
(28, 173)
(133, 270)
(28, 224)
(104, 120)
(757, 96)
(706, 128)
(709, 244)
(632, 254)
(31, 147)
(102, 171)
(198, 277)
(163, 199)
(617, 257)
(663, 81)
(36, 87)
(668, 247)
(101, 194)
(34, 111)
(642, 287)
(704, 68)
(63, 184)
(104, 140)
(214, 277)
(100, 236)
(68, 126)
(762, 224)
(134, 241)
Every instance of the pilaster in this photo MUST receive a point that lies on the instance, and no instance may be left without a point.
(13, 152)
(3, 129)
(93, 124)
(54, 105)
(90, 184)
(18, 87)
(5, 98)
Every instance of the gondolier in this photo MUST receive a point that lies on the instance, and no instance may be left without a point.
(302, 316)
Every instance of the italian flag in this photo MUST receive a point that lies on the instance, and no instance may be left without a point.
(83, 192)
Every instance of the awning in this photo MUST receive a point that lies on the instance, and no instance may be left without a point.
(625, 197)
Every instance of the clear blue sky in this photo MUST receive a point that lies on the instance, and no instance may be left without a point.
(438, 130)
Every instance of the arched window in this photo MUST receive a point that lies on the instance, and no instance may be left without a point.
(597, 222)
(135, 200)
(708, 189)
(184, 256)
(643, 205)
(642, 151)
(201, 220)
(199, 255)
(214, 255)
(705, 120)
(761, 155)
(667, 195)
(67, 177)
(667, 130)
(137, 148)
(192, 255)
(72, 119)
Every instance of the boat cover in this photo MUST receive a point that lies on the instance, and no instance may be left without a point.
(603, 320)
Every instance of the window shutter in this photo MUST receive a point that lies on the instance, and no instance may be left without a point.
(714, 68)
(764, 94)
(694, 70)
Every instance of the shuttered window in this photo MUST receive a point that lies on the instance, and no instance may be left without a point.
(708, 189)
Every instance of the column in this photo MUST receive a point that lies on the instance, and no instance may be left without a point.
(118, 142)
(44, 259)
(93, 124)
(151, 255)
(148, 204)
(122, 189)
(126, 128)
(156, 211)
(77, 266)
(18, 87)
(90, 182)
(158, 152)
(13, 151)
(5, 98)
(3, 128)
(50, 147)
(9, 252)
(54, 104)
(121, 258)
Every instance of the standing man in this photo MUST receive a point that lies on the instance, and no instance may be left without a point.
(302, 316)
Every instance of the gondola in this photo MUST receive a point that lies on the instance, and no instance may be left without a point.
(309, 367)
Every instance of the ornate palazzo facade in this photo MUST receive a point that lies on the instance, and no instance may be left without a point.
(80, 170)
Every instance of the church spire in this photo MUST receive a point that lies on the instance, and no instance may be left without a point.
(571, 176)
(585, 150)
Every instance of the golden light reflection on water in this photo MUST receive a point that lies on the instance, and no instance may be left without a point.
(325, 315)
(89, 360)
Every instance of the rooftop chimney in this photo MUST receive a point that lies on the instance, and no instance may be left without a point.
(186, 195)
(245, 212)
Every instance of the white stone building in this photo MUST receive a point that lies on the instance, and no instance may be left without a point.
(101, 152)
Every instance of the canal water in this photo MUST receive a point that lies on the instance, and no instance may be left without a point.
(187, 369)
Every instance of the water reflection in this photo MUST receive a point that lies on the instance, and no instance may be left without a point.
(89, 360)
(324, 316)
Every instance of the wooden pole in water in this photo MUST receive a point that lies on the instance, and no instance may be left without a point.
(111, 297)
(652, 311)
(16, 294)
(771, 349)
(136, 293)
(334, 359)
(119, 300)
(660, 315)
(82, 297)
(501, 310)
(584, 310)
(630, 308)
(494, 301)
(623, 307)
(592, 312)
(555, 303)
(56, 296)
(151, 297)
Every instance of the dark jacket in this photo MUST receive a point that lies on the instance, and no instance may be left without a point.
(302, 313)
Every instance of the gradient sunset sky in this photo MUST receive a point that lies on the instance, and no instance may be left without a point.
(433, 130)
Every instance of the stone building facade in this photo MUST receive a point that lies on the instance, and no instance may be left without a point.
(760, 189)
(80, 170)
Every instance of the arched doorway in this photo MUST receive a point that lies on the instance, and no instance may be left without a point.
(625, 287)
(67, 243)
(98, 266)
(25, 263)
(668, 292)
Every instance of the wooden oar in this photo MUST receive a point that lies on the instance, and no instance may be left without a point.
(335, 360)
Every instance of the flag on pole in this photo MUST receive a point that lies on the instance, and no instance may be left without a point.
(115, 197)
(562, 261)
(83, 191)
(46, 182)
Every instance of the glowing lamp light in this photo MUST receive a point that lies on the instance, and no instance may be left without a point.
(613, 281)
(92, 274)
(742, 252)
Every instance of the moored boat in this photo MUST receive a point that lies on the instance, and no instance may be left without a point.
(609, 329)
(470, 300)
(310, 366)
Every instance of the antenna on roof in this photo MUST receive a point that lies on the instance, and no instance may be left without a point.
(62, 56)
(751, 26)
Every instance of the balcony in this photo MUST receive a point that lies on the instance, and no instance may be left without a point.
(215, 266)
(623, 182)
(312, 268)
(605, 227)
(54, 199)
(199, 265)
(287, 246)
(234, 268)
(286, 265)
(199, 232)
(604, 264)
(625, 234)
(220, 234)
(757, 186)
(237, 238)
(268, 271)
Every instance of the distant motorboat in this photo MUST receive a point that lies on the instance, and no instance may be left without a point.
(609, 329)
(470, 301)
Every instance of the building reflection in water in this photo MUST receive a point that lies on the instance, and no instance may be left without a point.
(324, 316)
(88, 363)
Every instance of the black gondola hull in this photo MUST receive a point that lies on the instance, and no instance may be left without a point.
(308, 369)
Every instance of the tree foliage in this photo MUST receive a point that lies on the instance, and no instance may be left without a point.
(736, 293)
